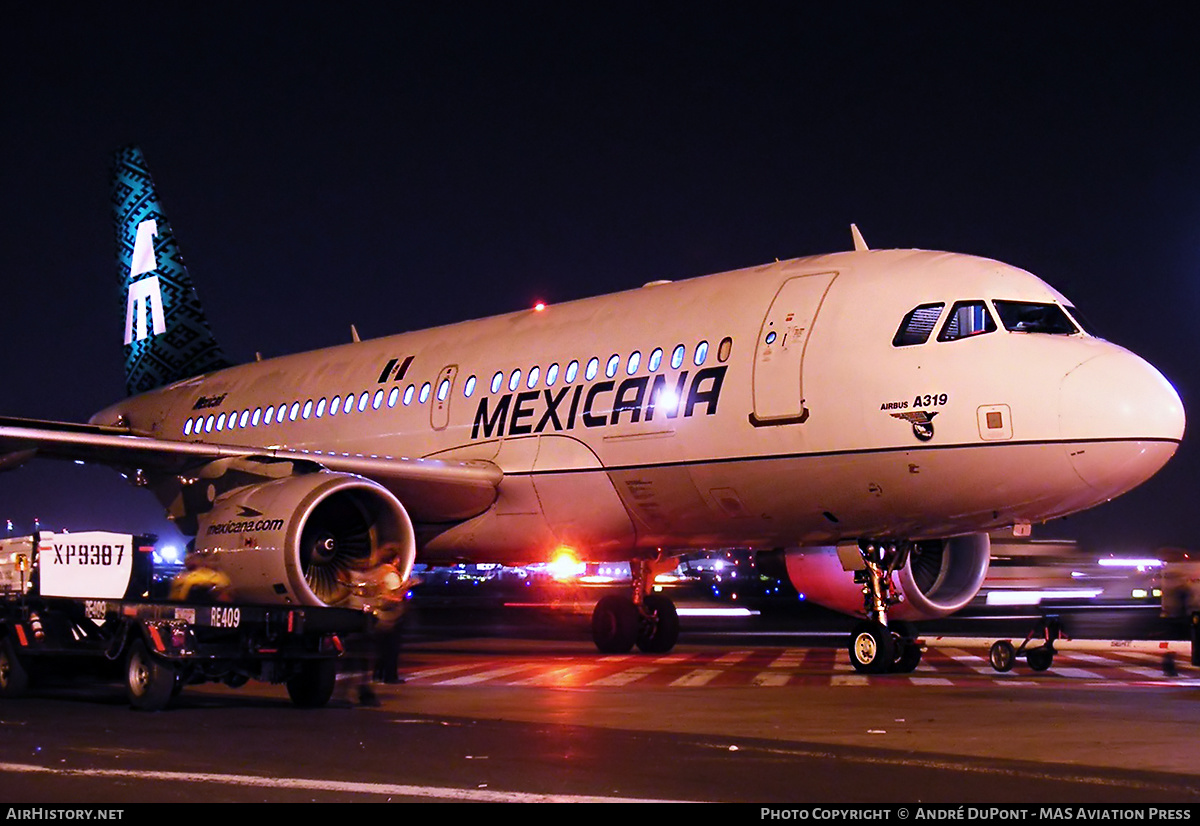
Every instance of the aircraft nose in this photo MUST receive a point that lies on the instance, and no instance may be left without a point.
(1122, 420)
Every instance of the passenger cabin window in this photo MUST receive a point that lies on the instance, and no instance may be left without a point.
(1031, 317)
(677, 356)
(967, 318)
(917, 325)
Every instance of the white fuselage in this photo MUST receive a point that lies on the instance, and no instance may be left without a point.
(799, 422)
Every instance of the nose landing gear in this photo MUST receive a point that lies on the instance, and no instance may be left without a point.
(876, 647)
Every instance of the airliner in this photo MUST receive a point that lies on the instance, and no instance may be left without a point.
(870, 415)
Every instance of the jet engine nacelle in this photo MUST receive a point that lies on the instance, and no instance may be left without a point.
(297, 540)
(939, 577)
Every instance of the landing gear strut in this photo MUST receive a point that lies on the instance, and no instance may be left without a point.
(648, 620)
(876, 647)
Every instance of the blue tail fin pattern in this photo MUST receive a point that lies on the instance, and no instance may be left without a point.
(167, 337)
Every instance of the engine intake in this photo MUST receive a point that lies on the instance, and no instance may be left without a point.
(939, 577)
(296, 540)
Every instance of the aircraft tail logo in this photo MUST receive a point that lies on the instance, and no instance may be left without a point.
(167, 337)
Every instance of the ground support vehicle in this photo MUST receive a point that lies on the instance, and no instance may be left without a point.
(159, 648)
(51, 626)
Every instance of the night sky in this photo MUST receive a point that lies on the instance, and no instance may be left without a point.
(401, 165)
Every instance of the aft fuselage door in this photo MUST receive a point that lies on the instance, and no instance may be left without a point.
(443, 391)
(779, 353)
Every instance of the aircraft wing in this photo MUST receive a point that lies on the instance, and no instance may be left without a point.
(432, 490)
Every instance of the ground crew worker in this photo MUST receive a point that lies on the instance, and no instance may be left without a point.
(199, 583)
(381, 590)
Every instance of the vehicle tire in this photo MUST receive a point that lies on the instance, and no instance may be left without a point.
(1002, 655)
(313, 683)
(658, 633)
(14, 678)
(149, 680)
(1040, 658)
(615, 625)
(872, 648)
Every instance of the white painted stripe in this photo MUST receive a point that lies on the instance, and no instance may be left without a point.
(732, 658)
(930, 681)
(849, 679)
(971, 661)
(1150, 665)
(623, 677)
(771, 679)
(672, 659)
(788, 659)
(1074, 673)
(484, 676)
(570, 676)
(1147, 673)
(700, 676)
(315, 784)
(426, 673)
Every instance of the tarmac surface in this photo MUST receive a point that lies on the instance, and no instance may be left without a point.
(725, 717)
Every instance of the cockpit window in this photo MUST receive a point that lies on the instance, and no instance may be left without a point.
(1030, 317)
(1083, 323)
(917, 325)
(967, 318)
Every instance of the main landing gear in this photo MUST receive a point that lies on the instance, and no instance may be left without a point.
(875, 646)
(646, 619)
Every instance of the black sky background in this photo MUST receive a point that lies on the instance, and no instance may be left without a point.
(401, 165)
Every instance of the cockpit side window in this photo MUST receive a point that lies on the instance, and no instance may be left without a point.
(966, 319)
(1082, 322)
(1031, 317)
(917, 325)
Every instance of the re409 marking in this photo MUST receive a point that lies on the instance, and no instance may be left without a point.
(225, 617)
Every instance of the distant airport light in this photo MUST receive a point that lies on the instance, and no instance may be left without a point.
(1129, 563)
(1034, 597)
(170, 553)
(707, 611)
(565, 565)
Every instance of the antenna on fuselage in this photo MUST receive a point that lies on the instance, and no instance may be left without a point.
(859, 244)
(354, 334)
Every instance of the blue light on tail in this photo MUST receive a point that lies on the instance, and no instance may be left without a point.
(167, 337)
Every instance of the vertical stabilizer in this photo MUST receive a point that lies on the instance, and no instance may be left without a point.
(167, 337)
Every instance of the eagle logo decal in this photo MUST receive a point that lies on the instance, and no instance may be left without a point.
(922, 423)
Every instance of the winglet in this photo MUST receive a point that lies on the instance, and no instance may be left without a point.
(859, 244)
(167, 337)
